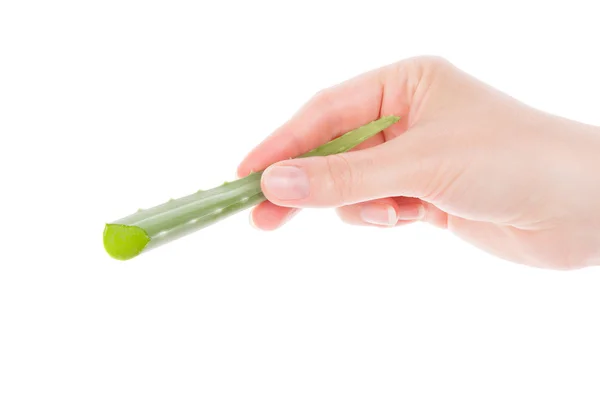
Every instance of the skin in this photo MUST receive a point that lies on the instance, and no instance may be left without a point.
(512, 180)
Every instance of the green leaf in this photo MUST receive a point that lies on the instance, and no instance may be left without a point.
(146, 229)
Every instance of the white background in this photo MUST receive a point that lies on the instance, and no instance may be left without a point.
(108, 106)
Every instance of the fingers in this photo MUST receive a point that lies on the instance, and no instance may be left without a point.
(267, 216)
(330, 113)
(385, 212)
(399, 167)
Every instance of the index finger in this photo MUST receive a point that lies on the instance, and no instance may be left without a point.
(329, 114)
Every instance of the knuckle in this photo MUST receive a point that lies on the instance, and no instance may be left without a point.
(424, 63)
(430, 66)
(345, 215)
(435, 61)
(341, 179)
(300, 143)
(323, 103)
(322, 98)
(430, 63)
(418, 74)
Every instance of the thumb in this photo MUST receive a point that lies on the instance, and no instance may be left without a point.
(394, 168)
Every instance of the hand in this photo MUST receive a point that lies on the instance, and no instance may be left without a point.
(512, 180)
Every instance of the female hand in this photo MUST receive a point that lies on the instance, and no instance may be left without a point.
(512, 180)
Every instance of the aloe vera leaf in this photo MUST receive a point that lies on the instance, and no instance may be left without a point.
(143, 230)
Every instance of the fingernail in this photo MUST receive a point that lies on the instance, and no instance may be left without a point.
(411, 213)
(379, 214)
(286, 182)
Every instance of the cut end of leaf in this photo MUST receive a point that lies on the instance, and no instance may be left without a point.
(124, 242)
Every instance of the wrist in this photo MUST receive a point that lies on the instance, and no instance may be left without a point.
(589, 194)
(573, 164)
